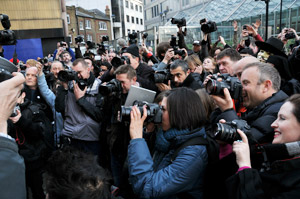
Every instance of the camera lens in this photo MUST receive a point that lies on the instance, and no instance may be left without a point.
(211, 86)
(225, 132)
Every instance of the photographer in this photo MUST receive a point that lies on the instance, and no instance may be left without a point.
(114, 131)
(80, 103)
(145, 74)
(49, 96)
(34, 136)
(163, 177)
(181, 76)
(63, 46)
(261, 97)
(281, 179)
(165, 54)
(12, 173)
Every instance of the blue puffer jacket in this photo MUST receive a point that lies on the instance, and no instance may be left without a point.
(161, 178)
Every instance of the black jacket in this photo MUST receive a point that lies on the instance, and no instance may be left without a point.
(190, 82)
(145, 76)
(34, 135)
(259, 118)
(282, 181)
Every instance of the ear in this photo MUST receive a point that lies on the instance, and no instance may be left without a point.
(267, 86)
(134, 78)
(188, 71)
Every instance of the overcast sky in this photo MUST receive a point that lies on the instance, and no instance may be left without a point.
(90, 4)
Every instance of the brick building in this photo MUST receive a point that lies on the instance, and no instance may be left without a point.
(91, 24)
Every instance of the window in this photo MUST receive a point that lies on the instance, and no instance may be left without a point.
(70, 38)
(88, 24)
(141, 10)
(154, 10)
(128, 18)
(126, 4)
(131, 6)
(89, 37)
(137, 20)
(136, 8)
(102, 26)
(68, 18)
(81, 25)
(132, 19)
(141, 21)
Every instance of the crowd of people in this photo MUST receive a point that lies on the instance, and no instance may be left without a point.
(225, 122)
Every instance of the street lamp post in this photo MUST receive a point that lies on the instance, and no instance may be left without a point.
(267, 17)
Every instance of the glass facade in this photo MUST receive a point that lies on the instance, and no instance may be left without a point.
(223, 12)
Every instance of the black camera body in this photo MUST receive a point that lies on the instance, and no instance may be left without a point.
(105, 38)
(116, 61)
(173, 44)
(144, 35)
(162, 76)
(112, 87)
(180, 22)
(233, 84)
(66, 76)
(208, 26)
(91, 45)
(290, 35)
(154, 112)
(132, 37)
(78, 39)
(7, 37)
(227, 132)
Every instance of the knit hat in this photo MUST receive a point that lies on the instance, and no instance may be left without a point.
(132, 49)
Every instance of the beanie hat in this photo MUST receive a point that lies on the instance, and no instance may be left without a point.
(133, 50)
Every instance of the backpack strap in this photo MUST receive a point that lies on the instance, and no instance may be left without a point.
(190, 142)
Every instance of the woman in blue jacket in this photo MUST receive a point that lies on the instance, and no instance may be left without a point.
(183, 118)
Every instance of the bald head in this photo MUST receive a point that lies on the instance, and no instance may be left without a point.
(239, 66)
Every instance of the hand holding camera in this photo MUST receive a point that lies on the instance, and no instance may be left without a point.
(137, 122)
(242, 150)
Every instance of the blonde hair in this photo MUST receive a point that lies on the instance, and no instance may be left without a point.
(31, 62)
(193, 59)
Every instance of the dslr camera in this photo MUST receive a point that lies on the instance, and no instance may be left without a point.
(132, 37)
(174, 45)
(233, 84)
(105, 38)
(208, 26)
(144, 35)
(66, 76)
(162, 76)
(7, 37)
(112, 87)
(78, 39)
(227, 132)
(154, 112)
(180, 22)
(116, 61)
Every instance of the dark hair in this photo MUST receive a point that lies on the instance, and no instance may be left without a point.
(82, 61)
(162, 49)
(231, 53)
(126, 69)
(107, 64)
(64, 52)
(207, 101)
(185, 109)
(160, 96)
(71, 173)
(266, 72)
(295, 100)
(180, 63)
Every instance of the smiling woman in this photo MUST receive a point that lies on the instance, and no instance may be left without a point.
(282, 179)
